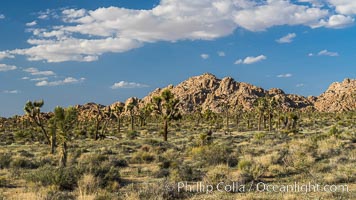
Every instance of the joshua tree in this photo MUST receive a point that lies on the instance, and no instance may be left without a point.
(167, 107)
(238, 112)
(118, 111)
(260, 105)
(63, 122)
(271, 106)
(226, 111)
(97, 116)
(144, 113)
(130, 107)
(210, 117)
(33, 110)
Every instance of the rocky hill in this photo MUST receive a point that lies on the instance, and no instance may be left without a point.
(338, 97)
(208, 92)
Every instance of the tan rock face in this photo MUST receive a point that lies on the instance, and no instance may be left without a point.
(338, 97)
(208, 92)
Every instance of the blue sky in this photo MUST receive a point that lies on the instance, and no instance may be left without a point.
(74, 52)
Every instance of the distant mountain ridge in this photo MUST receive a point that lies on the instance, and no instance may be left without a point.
(206, 91)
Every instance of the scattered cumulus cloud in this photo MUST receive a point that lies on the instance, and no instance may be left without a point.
(25, 78)
(39, 79)
(300, 85)
(84, 35)
(11, 91)
(251, 60)
(284, 75)
(327, 53)
(35, 72)
(2, 16)
(221, 53)
(336, 21)
(5, 67)
(287, 39)
(346, 7)
(5, 54)
(125, 84)
(33, 23)
(66, 81)
(204, 56)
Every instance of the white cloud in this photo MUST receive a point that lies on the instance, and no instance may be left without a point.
(251, 59)
(39, 79)
(287, 39)
(284, 75)
(346, 7)
(84, 35)
(336, 21)
(2, 16)
(204, 56)
(276, 13)
(125, 84)
(11, 91)
(327, 53)
(5, 68)
(5, 54)
(33, 23)
(68, 80)
(300, 85)
(310, 54)
(25, 78)
(35, 72)
(221, 53)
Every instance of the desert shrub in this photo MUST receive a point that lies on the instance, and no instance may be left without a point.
(5, 160)
(217, 174)
(3, 181)
(210, 154)
(87, 185)
(107, 174)
(26, 154)
(142, 157)
(23, 163)
(132, 135)
(64, 178)
(88, 161)
(334, 131)
(118, 162)
(59, 195)
(185, 172)
(251, 169)
(259, 136)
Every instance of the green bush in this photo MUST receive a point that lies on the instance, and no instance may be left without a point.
(23, 163)
(211, 154)
(64, 178)
(5, 160)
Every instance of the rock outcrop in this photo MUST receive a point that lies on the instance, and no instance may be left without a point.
(208, 92)
(338, 97)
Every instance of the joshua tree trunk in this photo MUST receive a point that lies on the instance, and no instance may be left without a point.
(270, 122)
(53, 141)
(97, 126)
(119, 124)
(227, 121)
(165, 130)
(45, 134)
(132, 122)
(259, 122)
(237, 122)
(64, 154)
